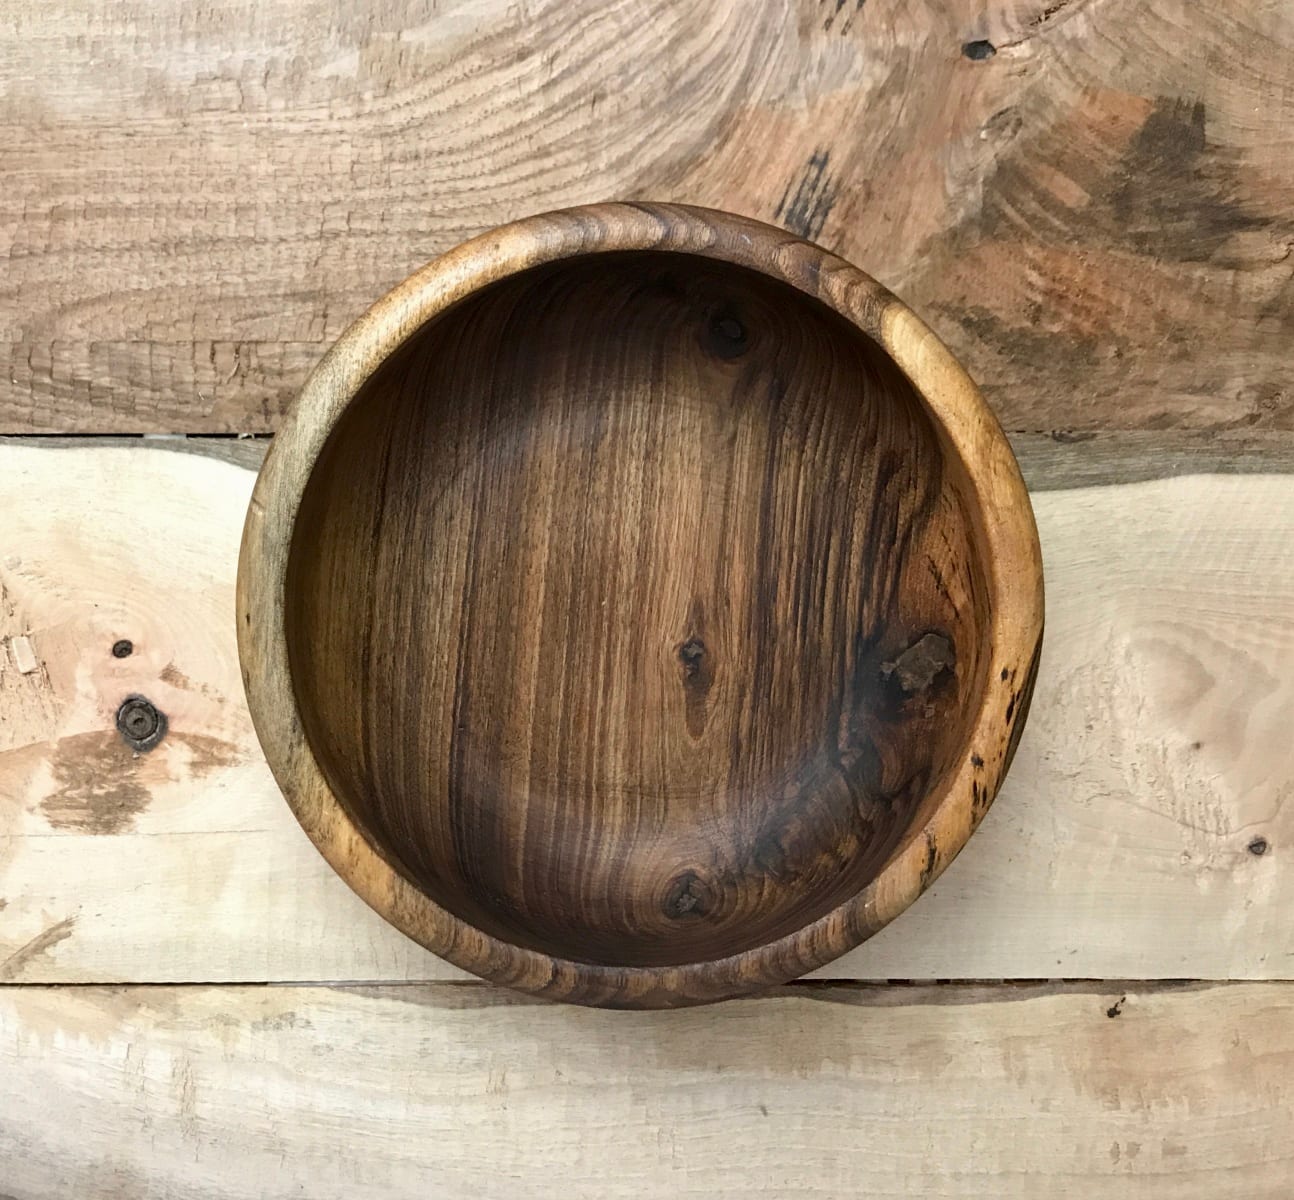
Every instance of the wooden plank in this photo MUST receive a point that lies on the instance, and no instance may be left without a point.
(1143, 833)
(413, 1091)
(1091, 212)
(183, 863)
(150, 384)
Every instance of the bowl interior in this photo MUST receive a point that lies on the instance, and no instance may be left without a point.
(635, 609)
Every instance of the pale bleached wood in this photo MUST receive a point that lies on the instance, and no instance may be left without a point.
(184, 863)
(200, 197)
(449, 1091)
(1157, 752)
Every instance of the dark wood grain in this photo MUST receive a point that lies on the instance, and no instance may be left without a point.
(1067, 459)
(638, 607)
(637, 543)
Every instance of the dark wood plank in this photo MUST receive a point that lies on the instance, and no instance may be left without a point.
(1080, 460)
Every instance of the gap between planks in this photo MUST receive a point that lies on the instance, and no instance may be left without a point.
(1051, 460)
(916, 990)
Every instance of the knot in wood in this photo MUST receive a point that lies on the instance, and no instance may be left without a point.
(140, 723)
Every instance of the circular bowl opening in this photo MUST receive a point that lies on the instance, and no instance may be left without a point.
(637, 613)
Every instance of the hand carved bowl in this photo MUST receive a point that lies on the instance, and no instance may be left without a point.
(640, 606)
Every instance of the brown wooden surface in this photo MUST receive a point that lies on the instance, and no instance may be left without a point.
(640, 607)
(1095, 217)
(657, 718)
(1094, 213)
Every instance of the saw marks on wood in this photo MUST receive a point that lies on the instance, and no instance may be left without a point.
(197, 202)
(1118, 1091)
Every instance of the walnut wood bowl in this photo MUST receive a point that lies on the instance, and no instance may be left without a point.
(640, 606)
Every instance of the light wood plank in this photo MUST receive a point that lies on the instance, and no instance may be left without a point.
(198, 198)
(184, 863)
(1156, 764)
(443, 1090)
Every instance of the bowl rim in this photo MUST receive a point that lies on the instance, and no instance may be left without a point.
(991, 484)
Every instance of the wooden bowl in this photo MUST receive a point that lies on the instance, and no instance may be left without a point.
(640, 606)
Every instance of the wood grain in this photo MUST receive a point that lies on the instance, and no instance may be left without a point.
(1123, 845)
(198, 200)
(639, 606)
(1125, 1092)
(1068, 459)
(674, 725)
(191, 840)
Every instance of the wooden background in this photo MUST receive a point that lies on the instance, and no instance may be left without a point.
(1089, 199)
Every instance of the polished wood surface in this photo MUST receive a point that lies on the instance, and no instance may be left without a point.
(639, 609)
(601, 603)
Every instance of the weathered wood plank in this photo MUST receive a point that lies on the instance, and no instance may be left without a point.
(149, 384)
(1055, 461)
(1092, 210)
(1143, 831)
(444, 1090)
